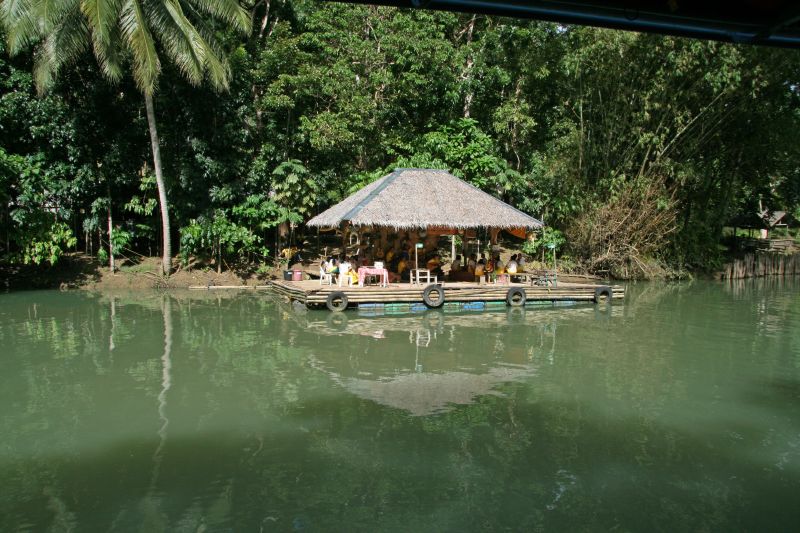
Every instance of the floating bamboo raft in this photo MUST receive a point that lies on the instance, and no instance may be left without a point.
(312, 294)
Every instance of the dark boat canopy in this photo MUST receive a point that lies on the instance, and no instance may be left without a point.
(766, 22)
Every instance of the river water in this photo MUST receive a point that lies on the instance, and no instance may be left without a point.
(677, 410)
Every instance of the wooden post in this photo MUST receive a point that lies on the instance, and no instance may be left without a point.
(493, 233)
(345, 230)
(384, 239)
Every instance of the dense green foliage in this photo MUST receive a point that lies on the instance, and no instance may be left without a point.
(637, 147)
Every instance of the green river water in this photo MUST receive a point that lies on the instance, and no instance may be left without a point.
(677, 410)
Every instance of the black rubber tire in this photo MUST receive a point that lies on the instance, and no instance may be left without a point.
(603, 294)
(520, 293)
(337, 301)
(426, 296)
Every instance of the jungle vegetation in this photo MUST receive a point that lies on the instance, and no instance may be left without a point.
(127, 125)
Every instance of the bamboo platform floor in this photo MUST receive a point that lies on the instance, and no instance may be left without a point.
(311, 294)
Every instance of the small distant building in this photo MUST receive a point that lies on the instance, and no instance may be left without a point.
(764, 221)
(772, 220)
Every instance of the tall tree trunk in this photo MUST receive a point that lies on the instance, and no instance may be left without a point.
(466, 77)
(110, 240)
(111, 264)
(166, 258)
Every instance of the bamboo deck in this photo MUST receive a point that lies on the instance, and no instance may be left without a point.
(312, 294)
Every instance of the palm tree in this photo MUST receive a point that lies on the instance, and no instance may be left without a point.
(120, 31)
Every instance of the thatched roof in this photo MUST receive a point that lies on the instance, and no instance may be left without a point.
(420, 197)
(765, 219)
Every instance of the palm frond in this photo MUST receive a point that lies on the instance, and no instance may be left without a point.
(63, 29)
(113, 61)
(229, 11)
(209, 61)
(208, 33)
(17, 18)
(102, 17)
(62, 46)
(50, 13)
(146, 65)
(175, 42)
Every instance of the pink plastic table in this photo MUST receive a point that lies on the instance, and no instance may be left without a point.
(363, 272)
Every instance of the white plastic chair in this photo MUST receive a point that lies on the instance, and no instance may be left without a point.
(344, 274)
(325, 277)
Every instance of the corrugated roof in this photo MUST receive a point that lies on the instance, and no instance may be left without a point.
(420, 197)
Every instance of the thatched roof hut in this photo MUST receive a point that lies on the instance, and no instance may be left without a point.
(411, 198)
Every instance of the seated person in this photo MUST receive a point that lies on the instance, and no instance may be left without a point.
(511, 267)
(402, 267)
(347, 270)
(473, 260)
(480, 269)
(434, 265)
(331, 266)
(296, 261)
(401, 271)
(459, 273)
(499, 268)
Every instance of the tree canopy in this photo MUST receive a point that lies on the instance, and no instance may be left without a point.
(637, 147)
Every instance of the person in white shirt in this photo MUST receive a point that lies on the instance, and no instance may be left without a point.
(511, 267)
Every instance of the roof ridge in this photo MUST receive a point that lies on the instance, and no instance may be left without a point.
(387, 180)
(422, 168)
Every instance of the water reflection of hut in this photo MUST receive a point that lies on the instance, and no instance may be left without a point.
(416, 363)
(424, 393)
(413, 364)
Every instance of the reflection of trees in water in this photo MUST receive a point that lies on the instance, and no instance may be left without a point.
(155, 518)
(259, 438)
(770, 313)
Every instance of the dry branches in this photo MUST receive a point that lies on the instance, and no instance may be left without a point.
(625, 234)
